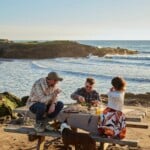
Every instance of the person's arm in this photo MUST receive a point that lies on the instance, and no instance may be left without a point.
(38, 91)
(77, 96)
(97, 96)
(96, 99)
(52, 107)
(53, 101)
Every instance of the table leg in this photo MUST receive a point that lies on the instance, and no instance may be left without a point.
(101, 146)
(41, 142)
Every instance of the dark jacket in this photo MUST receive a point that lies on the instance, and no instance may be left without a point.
(93, 95)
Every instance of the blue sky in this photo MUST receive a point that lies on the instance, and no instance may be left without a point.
(75, 19)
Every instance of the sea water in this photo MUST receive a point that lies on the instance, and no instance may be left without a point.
(18, 76)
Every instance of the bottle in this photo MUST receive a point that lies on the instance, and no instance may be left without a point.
(99, 110)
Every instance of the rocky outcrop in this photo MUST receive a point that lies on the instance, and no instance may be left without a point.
(8, 102)
(41, 50)
(5, 41)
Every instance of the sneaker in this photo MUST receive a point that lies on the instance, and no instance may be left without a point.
(39, 127)
(49, 127)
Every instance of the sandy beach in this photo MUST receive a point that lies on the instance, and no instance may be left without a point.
(15, 141)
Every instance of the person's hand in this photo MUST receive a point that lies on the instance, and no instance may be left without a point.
(95, 102)
(57, 91)
(81, 99)
(51, 108)
(112, 89)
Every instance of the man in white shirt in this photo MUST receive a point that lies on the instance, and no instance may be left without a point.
(43, 100)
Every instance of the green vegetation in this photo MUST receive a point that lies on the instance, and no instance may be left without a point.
(8, 102)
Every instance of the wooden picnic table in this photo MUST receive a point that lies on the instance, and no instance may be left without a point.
(61, 117)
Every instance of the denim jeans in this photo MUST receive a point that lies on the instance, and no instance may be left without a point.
(40, 109)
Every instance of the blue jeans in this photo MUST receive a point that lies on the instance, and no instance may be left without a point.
(40, 109)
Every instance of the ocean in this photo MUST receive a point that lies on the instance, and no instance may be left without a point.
(18, 76)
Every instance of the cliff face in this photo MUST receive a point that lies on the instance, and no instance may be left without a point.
(36, 50)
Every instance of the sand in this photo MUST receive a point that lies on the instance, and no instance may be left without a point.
(15, 141)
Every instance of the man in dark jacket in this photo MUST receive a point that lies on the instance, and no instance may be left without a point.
(87, 94)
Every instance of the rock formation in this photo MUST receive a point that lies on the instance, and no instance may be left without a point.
(53, 49)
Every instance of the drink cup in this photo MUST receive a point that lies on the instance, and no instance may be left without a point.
(98, 111)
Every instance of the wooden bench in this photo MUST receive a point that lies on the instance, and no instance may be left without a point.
(102, 140)
(137, 125)
(40, 145)
(30, 131)
(41, 137)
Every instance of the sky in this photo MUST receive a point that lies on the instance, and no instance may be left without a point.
(75, 19)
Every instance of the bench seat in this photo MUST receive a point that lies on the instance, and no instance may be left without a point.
(102, 140)
(30, 130)
(40, 146)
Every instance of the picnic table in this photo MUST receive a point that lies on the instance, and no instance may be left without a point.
(29, 130)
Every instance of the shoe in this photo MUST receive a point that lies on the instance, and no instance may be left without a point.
(49, 127)
(39, 127)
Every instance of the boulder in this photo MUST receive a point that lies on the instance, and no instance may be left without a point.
(8, 102)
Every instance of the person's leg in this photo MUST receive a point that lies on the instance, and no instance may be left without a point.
(39, 109)
(59, 106)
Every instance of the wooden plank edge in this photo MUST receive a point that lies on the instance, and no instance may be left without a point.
(129, 142)
(135, 119)
(137, 125)
(31, 131)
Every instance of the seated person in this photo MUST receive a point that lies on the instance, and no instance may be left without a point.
(87, 94)
(111, 123)
(43, 100)
(113, 119)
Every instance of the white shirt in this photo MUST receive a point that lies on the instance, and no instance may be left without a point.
(40, 92)
(116, 100)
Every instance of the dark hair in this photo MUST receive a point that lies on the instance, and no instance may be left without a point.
(118, 83)
(90, 81)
